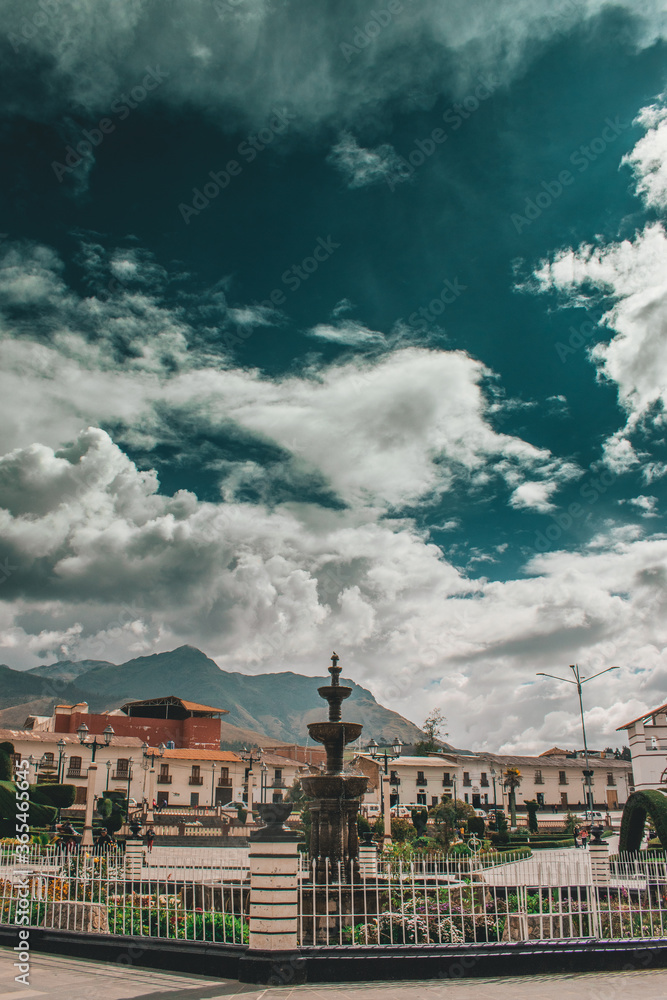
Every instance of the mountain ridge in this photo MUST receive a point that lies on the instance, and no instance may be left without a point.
(279, 705)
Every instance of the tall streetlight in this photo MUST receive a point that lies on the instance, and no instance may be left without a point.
(212, 784)
(578, 682)
(150, 755)
(493, 773)
(61, 749)
(108, 773)
(249, 757)
(130, 762)
(381, 753)
(82, 732)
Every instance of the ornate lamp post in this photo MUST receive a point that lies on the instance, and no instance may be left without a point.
(108, 773)
(578, 682)
(82, 732)
(130, 762)
(212, 784)
(382, 753)
(264, 780)
(495, 801)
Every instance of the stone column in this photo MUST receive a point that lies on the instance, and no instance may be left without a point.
(150, 816)
(272, 956)
(134, 857)
(368, 857)
(87, 838)
(599, 854)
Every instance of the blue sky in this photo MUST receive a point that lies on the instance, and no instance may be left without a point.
(341, 326)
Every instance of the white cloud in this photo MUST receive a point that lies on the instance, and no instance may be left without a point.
(91, 52)
(347, 332)
(362, 167)
(645, 504)
(533, 496)
(648, 159)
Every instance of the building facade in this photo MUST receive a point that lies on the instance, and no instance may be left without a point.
(647, 737)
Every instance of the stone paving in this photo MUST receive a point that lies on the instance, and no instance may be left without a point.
(59, 978)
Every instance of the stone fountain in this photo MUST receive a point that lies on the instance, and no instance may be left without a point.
(334, 812)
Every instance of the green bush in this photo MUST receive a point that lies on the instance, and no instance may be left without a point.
(638, 806)
(476, 825)
(6, 770)
(60, 796)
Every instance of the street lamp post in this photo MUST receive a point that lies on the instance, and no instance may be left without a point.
(212, 784)
(150, 755)
(264, 780)
(130, 762)
(578, 682)
(249, 757)
(108, 773)
(381, 753)
(82, 732)
(495, 801)
(61, 749)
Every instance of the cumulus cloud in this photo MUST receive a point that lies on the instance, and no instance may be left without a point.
(630, 278)
(347, 332)
(645, 504)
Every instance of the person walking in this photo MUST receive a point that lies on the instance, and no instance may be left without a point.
(150, 837)
(584, 837)
(575, 834)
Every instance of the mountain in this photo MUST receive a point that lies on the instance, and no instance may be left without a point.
(67, 670)
(277, 705)
(20, 689)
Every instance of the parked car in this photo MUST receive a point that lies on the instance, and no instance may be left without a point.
(481, 813)
(597, 818)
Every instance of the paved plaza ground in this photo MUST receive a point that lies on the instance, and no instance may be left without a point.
(77, 979)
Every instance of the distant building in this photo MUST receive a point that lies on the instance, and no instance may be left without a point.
(155, 720)
(647, 736)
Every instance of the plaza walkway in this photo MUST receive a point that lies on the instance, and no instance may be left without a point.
(56, 978)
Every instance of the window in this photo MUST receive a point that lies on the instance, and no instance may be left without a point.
(421, 780)
(195, 777)
(278, 776)
(421, 798)
(74, 769)
(562, 778)
(277, 796)
(195, 770)
(484, 781)
(446, 780)
(539, 780)
(164, 768)
(465, 797)
(224, 776)
(48, 757)
(466, 779)
(540, 798)
(123, 766)
(611, 780)
(393, 778)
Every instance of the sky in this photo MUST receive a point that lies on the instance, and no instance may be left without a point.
(341, 326)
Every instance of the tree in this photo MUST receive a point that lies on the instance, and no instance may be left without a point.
(6, 751)
(448, 816)
(419, 820)
(511, 781)
(531, 805)
(432, 731)
(112, 808)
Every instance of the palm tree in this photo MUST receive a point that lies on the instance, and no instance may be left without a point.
(511, 781)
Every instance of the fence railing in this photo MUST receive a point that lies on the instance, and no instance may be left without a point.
(405, 904)
(89, 894)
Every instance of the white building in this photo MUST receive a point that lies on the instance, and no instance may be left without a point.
(647, 737)
(413, 781)
(185, 777)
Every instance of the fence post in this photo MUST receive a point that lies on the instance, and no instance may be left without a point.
(134, 857)
(273, 957)
(368, 857)
(599, 854)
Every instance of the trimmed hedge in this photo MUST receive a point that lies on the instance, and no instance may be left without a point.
(637, 807)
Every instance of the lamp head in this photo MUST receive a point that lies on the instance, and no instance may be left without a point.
(373, 748)
(162, 749)
(82, 732)
(108, 735)
(398, 746)
(60, 744)
(144, 747)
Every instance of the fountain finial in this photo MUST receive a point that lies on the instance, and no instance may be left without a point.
(334, 669)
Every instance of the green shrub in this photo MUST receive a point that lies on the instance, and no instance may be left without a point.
(476, 825)
(638, 806)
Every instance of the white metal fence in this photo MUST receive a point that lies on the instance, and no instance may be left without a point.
(95, 894)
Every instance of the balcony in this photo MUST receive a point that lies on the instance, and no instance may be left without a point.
(164, 779)
(195, 780)
(484, 783)
(120, 775)
(224, 782)
(394, 780)
(539, 781)
(467, 783)
(76, 772)
(447, 783)
(421, 782)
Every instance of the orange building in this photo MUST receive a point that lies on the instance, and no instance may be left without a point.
(186, 724)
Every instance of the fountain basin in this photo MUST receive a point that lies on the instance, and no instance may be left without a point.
(334, 786)
(334, 732)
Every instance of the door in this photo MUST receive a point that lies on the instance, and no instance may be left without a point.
(612, 798)
(194, 800)
(563, 799)
(476, 800)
